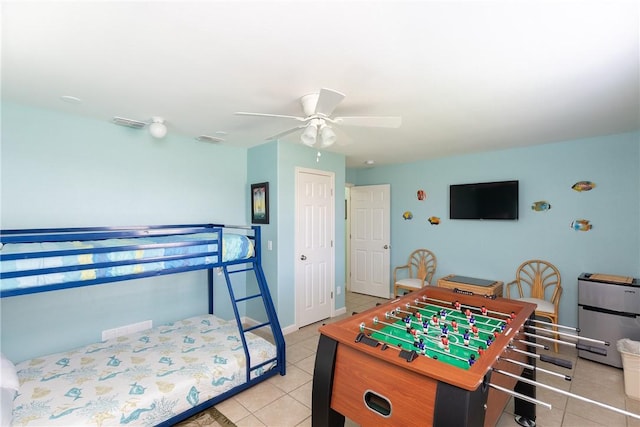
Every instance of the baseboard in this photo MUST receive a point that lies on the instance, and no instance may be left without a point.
(339, 312)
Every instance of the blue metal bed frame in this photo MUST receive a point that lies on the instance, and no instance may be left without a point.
(247, 265)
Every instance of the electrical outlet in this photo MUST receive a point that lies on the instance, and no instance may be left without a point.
(108, 334)
(338, 290)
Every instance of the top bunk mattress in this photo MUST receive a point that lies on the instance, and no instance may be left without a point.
(51, 263)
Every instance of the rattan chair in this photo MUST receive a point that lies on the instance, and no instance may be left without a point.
(416, 273)
(538, 282)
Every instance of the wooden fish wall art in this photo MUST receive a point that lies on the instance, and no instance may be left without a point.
(581, 225)
(583, 186)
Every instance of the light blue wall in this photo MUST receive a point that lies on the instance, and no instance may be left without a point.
(494, 249)
(288, 157)
(63, 170)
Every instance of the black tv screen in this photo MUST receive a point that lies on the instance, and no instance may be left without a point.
(484, 200)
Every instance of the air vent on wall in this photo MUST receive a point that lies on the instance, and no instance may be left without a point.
(211, 139)
(129, 122)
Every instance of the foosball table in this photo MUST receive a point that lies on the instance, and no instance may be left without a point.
(426, 358)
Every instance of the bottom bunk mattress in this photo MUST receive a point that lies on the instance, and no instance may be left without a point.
(138, 379)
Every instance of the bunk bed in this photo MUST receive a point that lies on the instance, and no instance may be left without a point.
(158, 376)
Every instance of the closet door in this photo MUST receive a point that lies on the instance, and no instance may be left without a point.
(370, 240)
(315, 252)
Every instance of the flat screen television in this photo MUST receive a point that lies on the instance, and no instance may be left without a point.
(484, 200)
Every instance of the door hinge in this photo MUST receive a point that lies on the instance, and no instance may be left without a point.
(332, 243)
(331, 294)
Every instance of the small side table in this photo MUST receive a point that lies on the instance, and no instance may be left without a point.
(471, 284)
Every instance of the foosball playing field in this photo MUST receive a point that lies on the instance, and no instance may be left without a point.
(450, 332)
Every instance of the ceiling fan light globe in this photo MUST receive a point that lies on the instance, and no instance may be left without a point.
(309, 135)
(157, 129)
(327, 137)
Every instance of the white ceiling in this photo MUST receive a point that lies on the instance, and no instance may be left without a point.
(465, 76)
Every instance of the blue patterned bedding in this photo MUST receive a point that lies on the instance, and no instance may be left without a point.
(117, 257)
(139, 379)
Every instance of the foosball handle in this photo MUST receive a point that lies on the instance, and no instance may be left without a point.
(591, 349)
(556, 361)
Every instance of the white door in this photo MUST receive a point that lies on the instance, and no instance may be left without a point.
(314, 257)
(370, 240)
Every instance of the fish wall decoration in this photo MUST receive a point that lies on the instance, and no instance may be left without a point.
(541, 206)
(583, 186)
(407, 215)
(421, 195)
(581, 225)
(434, 220)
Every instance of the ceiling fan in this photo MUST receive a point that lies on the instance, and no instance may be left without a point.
(317, 120)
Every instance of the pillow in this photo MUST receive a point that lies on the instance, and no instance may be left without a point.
(6, 406)
(8, 374)
(9, 385)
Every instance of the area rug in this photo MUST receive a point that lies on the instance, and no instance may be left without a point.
(207, 418)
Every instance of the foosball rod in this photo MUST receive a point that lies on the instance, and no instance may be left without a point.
(564, 334)
(590, 349)
(448, 303)
(534, 344)
(521, 396)
(568, 394)
(537, 368)
(555, 324)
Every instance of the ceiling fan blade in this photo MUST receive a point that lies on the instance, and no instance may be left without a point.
(286, 132)
(328, 100)
(369, 121)
(243, 113)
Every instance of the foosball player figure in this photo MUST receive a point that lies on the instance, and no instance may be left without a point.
(496, 333)
(472, 359)
(483, 310)
(457, 305)
(472, 320)
(454, 325)
(513, 314)
(480, 350)
(467, 313)
(418, 316)
(489, 340)
(465, 337)
(434, 320)
(425, 327)
(445, 343)
(416, 334)
(474, 330)
(407, 322)
(421, 346)
(443, 314)
(445, 330)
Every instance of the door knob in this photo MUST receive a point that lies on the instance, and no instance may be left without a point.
(386, 246)
(302, 257)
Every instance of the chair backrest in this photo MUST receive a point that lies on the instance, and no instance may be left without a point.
(540, 275)
(422, 263)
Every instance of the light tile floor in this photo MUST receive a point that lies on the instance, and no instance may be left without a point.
(286, 401)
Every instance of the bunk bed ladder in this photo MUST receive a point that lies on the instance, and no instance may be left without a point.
(272, 318)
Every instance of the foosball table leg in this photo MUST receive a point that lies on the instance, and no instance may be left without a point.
(525, 412)
(321, 413)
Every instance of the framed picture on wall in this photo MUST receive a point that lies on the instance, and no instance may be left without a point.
(260, 203)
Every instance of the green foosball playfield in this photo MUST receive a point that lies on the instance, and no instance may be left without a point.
(451, 333)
